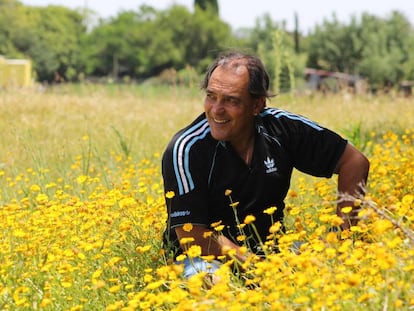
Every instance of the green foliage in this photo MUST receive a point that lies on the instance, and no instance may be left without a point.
(335, 46)
(123, 144)
(49, 35)
(146, 43)
(357, 136)
(277, 49)
(208, 36)
(386, 51)
(206, 5)
(107, 47)
(9, 21)
(297, 34)
(378, 49)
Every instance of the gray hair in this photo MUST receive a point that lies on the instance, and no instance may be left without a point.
(258, 76)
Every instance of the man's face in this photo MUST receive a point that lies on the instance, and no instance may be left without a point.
(229, 108)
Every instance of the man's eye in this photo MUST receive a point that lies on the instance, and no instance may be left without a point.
(232, 101)
(210, 96)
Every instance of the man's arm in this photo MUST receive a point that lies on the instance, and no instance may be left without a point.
(352, 170)
(210, 243)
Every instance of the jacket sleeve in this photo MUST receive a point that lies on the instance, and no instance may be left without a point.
(183, 175)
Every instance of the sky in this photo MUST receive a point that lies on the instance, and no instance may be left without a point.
(244, 13)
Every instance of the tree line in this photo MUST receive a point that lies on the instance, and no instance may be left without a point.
(176, 43)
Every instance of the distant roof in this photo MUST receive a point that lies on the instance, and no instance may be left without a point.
(325, 74)
(17, 61)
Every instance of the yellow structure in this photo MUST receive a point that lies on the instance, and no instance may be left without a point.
(15, 72)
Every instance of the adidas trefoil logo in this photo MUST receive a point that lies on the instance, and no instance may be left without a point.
(270, 165)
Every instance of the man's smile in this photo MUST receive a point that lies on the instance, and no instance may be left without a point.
(220, 121)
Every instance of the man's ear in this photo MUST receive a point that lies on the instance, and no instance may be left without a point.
(259, 105)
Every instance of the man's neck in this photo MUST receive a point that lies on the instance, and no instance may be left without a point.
(245, 149)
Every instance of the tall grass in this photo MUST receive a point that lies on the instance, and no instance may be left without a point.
(47, 128)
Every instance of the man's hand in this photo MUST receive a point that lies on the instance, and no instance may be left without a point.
(210, 242)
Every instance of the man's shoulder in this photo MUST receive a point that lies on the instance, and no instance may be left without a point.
(272, 120)
(283, 119)
(195, 135)
(275, 114)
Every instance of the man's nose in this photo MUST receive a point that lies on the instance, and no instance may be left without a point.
(218, 106)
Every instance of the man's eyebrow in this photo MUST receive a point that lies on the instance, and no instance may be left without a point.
(231, 97)
(227, 97)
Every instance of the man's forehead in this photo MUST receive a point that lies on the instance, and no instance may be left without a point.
(229, 80)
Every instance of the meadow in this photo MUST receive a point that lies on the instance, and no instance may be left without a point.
(82, 208)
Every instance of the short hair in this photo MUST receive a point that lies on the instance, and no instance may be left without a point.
(258, 76)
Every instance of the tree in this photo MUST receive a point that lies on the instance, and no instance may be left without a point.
(168, 44)
(379, 49)
(206, 5)
(138, 44)
(387, 49)
(276, 47)
(207, 37)
(10, 17)
(57, 47)
(50, 36)
(110, 46)
(335, 46)
(148, 42)
(297, 34)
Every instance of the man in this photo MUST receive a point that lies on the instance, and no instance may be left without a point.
(240, 145)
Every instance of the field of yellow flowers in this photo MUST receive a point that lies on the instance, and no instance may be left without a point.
(82, 211)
